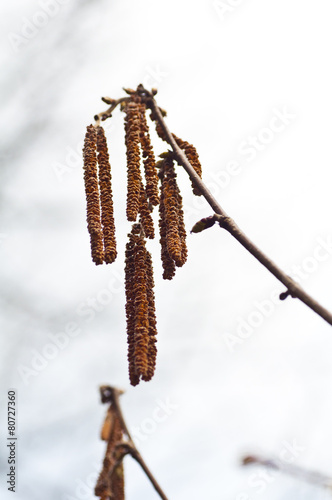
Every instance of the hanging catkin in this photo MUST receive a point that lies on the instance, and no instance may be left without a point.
(173, 215)
(141, 339)
(151, 174)
(106, 198)
(190, 152)
(152, 349)
(140, 309)
(193, 158)
(130, 305)
(132, 140)
(92, 195)
(145, 214)
(167, 261)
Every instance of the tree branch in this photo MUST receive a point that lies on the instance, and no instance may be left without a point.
(226, 222)
(112, 395)
(306, 475)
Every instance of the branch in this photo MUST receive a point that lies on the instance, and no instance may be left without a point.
(226, 222)
(306, 475)
(108, 113)
(112, 395)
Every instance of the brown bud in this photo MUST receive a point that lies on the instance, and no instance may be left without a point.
(203, 224)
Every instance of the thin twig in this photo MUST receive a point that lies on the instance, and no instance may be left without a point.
(226, 222)
(112, 394)
(108, 113)
(306, 475)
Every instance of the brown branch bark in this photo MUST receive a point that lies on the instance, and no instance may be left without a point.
(226, 222)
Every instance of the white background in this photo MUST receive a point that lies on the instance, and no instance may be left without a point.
(223, 70)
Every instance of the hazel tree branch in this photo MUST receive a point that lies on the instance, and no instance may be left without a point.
(226, 222)
(292, 470)
(112, 395)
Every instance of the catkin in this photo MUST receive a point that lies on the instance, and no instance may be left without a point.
(167, 262)
(140, 309)
(106, 198)
(171, 221)
(130, 306)
(151, 174)
(190, 152)
(175, 230)
(145, 214)
(92, 195)
(152, 349)
(192, 155)
(181, 228)
(132, 140)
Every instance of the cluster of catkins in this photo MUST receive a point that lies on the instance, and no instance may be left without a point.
(110, 483)
(159, 187)
(98, 190)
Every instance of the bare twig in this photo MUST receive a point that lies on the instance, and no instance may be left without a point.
(112, 395)
(306, 475)
(226, 222)
(108, 113)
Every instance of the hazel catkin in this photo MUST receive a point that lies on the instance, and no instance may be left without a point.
(167, 262)
(132, 140)
(140, 309)
(152, 349)
(106, 198)
(192, 155)
(151, 174)
(130, 305)
(92, 195)
(173, 215)
(190, 152)
(145, 214)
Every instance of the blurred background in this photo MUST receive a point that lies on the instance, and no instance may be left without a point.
(249, 84)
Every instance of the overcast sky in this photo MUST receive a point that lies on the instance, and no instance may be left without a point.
(249, 84)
